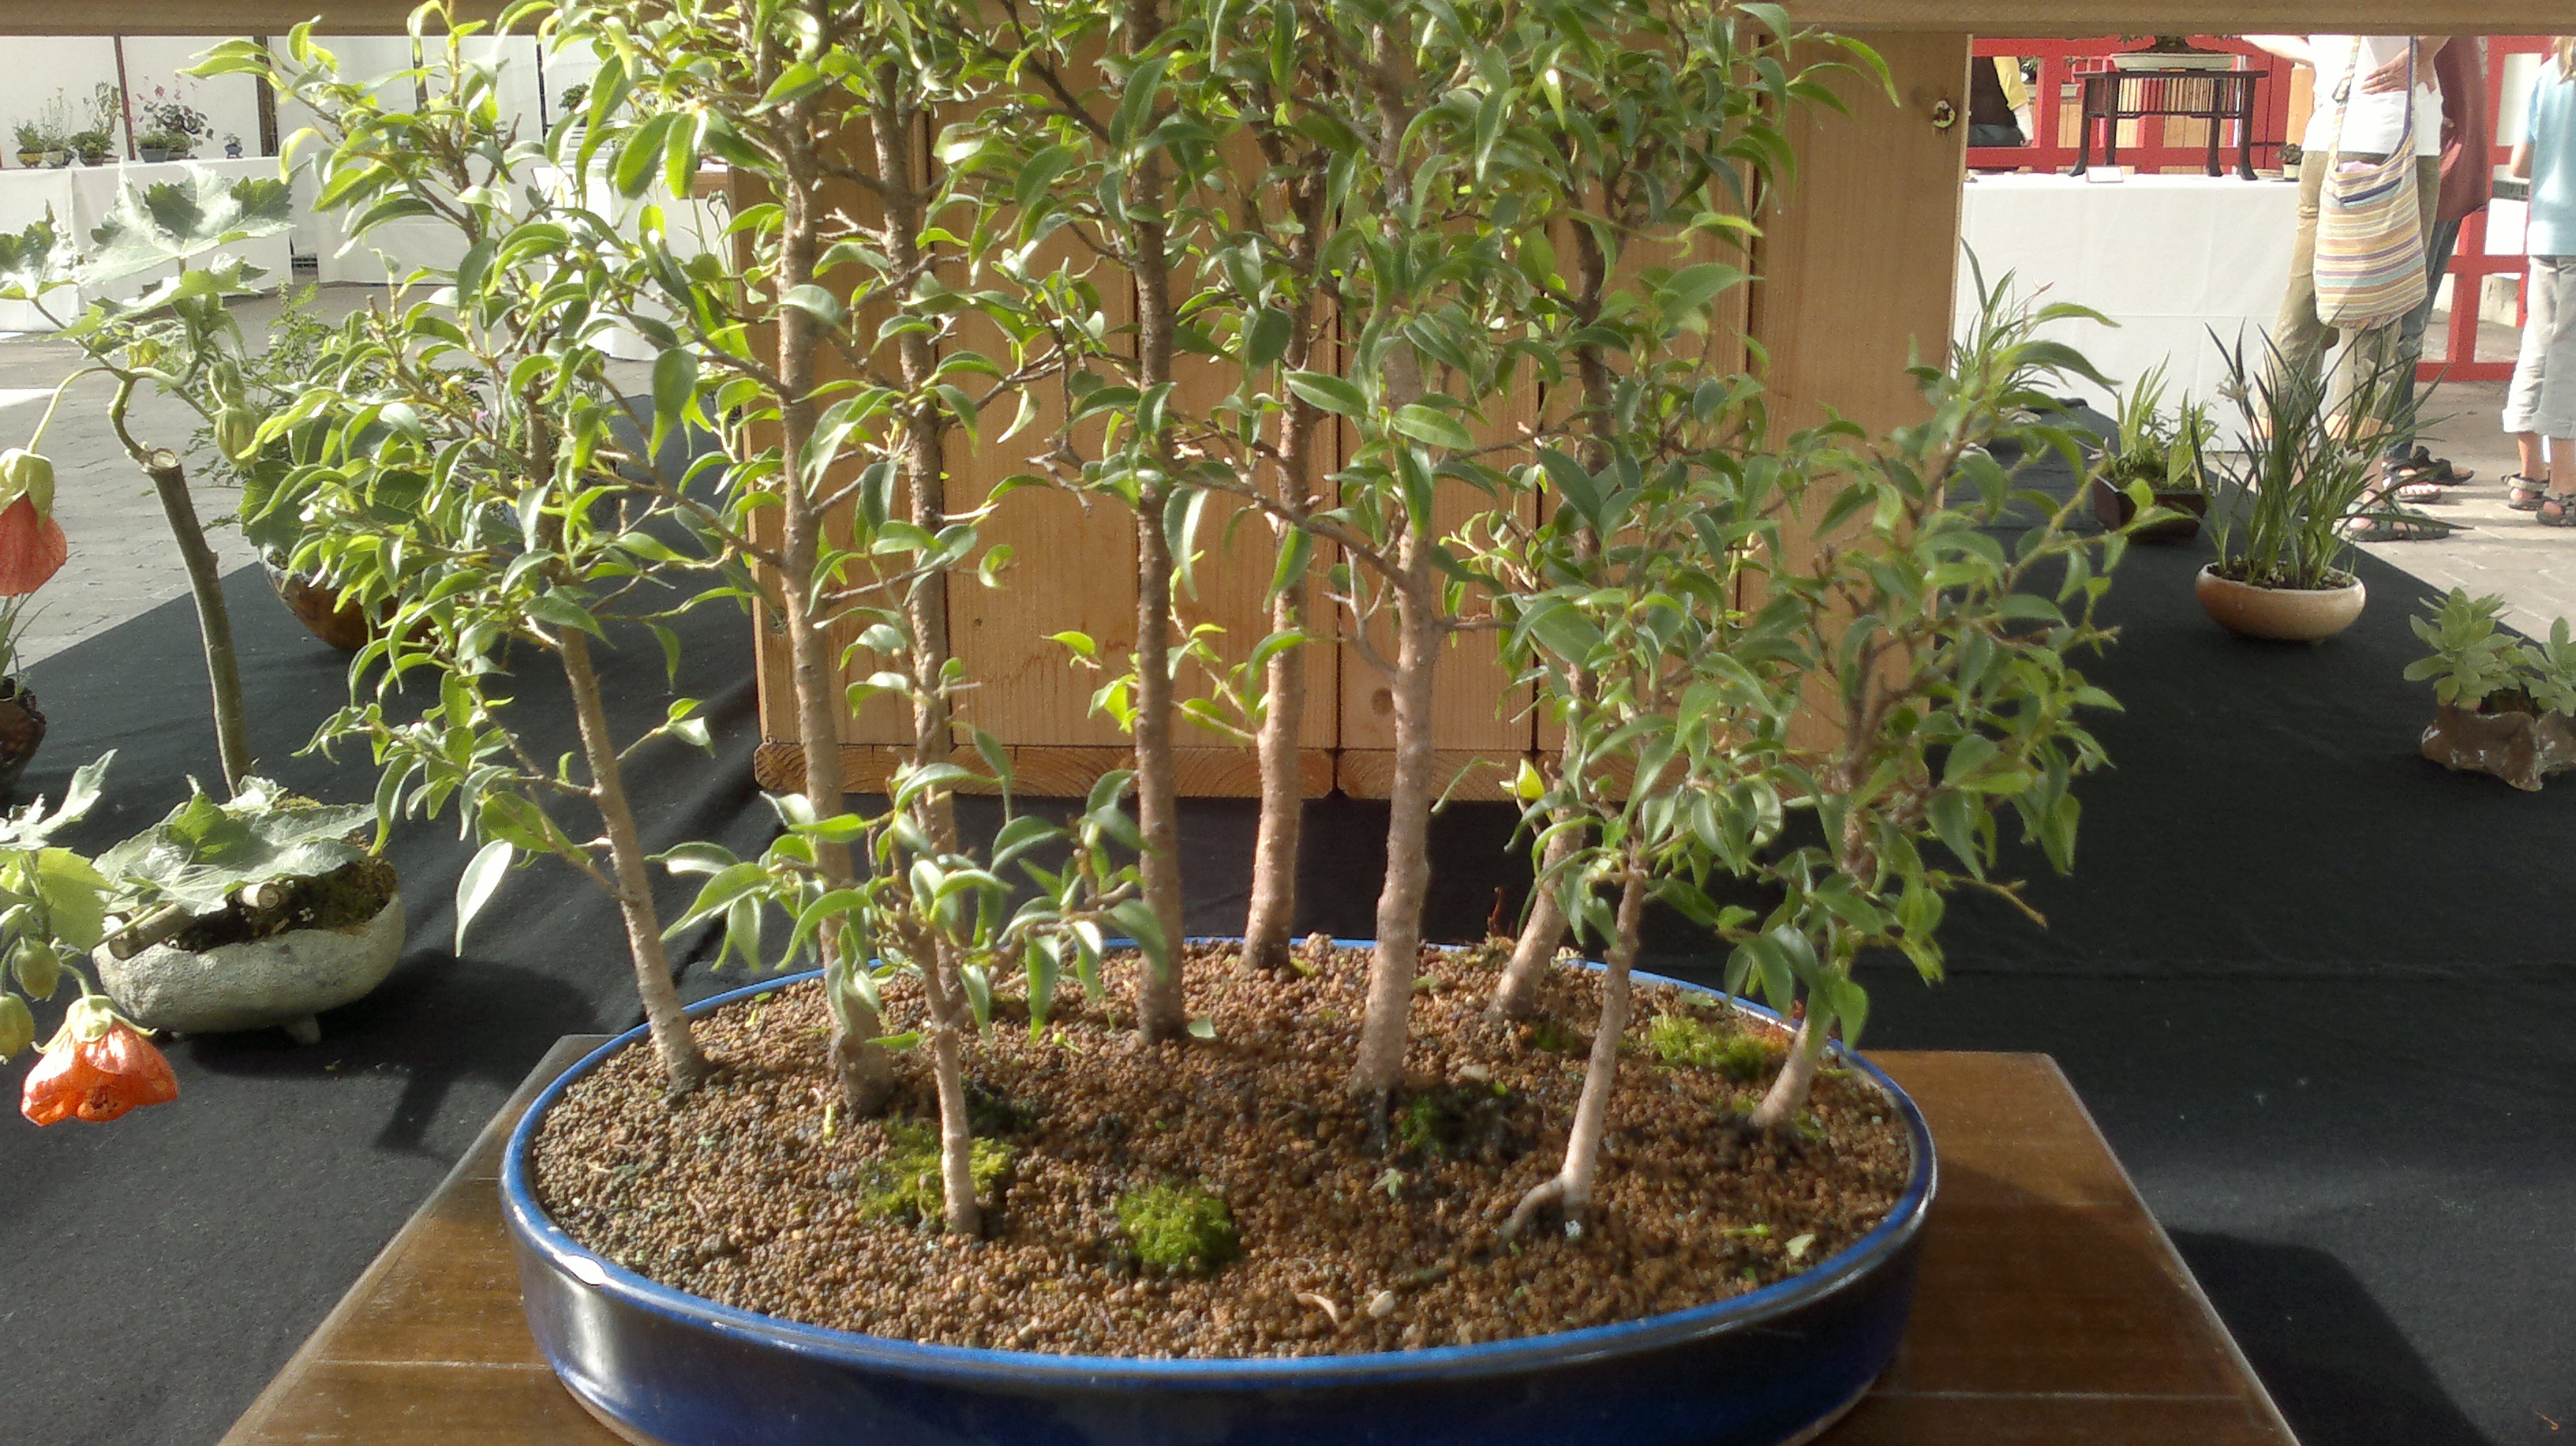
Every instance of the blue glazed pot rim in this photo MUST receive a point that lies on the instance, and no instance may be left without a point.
(1035, 1370)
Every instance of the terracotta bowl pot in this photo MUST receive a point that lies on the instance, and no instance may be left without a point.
(667, 1368)
(2281, 614)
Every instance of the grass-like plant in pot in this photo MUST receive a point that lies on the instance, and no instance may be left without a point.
(2504, 705)
(1324, 1160)
(2158, 453)
(2306, 468)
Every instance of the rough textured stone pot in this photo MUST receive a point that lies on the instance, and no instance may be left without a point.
(2282, 614)
(2520, 748)
(2113, 509)
(664, 1367)
(154, 155)
(22, 729)
(282, 981)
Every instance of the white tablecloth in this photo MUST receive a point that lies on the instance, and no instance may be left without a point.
(2170, 258)
(79, 197)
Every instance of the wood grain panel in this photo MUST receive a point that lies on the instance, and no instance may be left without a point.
(1858, 256)
(1056, 770)
(1073, 557)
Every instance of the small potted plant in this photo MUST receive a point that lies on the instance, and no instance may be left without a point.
(94, 147)
(32, 143)
(2504, 705)
(264, 910)
(175, 127)
(2161, 453)
(98, 1065)
(232, 147)
(2302, 476)
(32, 549)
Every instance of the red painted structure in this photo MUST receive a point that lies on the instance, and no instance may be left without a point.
(2161, 146)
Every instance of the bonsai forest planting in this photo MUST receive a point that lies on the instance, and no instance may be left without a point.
(1437, 308)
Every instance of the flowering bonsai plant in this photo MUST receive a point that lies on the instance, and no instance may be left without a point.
(96, 1065)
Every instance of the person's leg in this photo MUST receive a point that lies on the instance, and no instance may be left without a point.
(2299, 339)
(2444, 241)
(2543, 398)
(2379, 360)
(2522, 395)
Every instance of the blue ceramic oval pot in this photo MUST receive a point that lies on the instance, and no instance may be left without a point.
(665, 1367)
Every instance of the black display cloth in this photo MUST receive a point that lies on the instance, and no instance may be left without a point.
(2314, 988)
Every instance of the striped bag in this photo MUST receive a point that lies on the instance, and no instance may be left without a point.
(2370, 224)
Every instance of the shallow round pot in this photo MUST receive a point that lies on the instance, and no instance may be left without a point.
(665, 1367)
(2283, 614)
(282, 981)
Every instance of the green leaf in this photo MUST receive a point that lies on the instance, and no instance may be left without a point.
(480, 881)
(1323, 389)
(1429, 424)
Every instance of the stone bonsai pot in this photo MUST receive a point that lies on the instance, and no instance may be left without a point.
(662, 1366)
(260, 912)
(2505, 704)
(283, 980)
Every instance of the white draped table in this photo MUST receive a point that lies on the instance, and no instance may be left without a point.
(2172, 259)
(79, 197)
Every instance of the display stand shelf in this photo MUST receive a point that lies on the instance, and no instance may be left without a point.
(2051, 1306)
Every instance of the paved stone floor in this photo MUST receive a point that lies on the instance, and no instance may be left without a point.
(123, 561)
(2497, 550)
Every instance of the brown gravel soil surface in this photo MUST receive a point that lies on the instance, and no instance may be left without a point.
(753, 1192)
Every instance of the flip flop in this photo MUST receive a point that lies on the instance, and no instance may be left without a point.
(2398, 527)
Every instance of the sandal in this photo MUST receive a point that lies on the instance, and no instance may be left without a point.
(2405, 527)
(2425, 467)
(2525, 494)
(2565, 516)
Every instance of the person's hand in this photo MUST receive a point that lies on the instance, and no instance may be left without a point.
(2392, 76)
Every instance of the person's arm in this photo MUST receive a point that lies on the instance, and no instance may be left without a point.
(2392, 76)
(2292, 48)
(2520, 166)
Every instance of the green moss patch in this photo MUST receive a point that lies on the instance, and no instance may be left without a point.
(1178, 1230)
(904, 1184)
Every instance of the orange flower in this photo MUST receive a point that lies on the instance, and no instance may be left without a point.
(32, 548)
(97, 1079)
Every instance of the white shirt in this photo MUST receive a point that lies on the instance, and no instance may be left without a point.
(2376, 120)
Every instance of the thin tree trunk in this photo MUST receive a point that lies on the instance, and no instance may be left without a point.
(214, 620)
(1571, 1188)
(1788, 1093)
(1379, 1067)
(1383, 1030)
(865, 1074)
(1516, 995)
(684, 1065)
(963, 1213)
(1273, 911)
(1162, 1011)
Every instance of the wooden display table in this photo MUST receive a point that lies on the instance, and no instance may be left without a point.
(2051, 1307)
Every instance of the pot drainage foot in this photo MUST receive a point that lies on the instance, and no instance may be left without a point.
(303, 1029)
